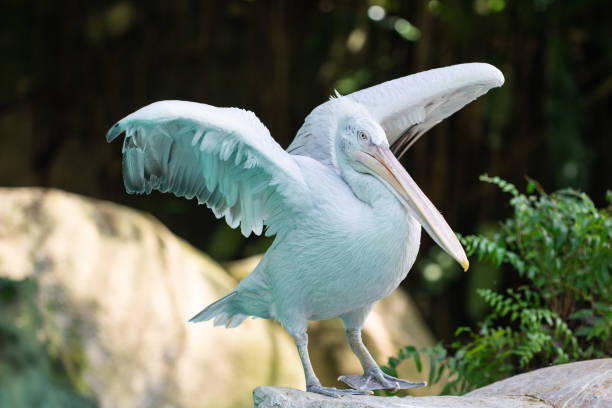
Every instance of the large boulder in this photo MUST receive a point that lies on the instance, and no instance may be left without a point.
(111, 290)
(585, 384)
(117, 285)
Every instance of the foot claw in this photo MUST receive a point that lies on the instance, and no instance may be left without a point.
(377, 380)
(335, 392)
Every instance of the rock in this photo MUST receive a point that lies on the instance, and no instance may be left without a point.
(115, 289)
(276, 397)
(585, 384)
(118, 286)
(575, 385)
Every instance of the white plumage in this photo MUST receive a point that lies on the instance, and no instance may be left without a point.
(346, 215)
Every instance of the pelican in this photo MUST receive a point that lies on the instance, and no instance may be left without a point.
(345, 214)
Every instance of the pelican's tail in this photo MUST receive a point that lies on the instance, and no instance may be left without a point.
(224, 311)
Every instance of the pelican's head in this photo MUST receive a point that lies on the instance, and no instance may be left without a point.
(362, 144)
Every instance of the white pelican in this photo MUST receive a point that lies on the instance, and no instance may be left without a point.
(346, 215)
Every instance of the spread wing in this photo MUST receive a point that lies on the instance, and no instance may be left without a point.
(224, 157)
(405, 107)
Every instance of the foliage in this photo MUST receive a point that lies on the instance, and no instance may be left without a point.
(559, 245)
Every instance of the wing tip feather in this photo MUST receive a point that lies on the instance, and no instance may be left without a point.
(496, 74)
(114, 131)
(489, 72)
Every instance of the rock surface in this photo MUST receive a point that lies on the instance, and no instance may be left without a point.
(586, 384)
(118, 287)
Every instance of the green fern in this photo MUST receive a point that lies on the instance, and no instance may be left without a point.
(501, 183)
(560, 245)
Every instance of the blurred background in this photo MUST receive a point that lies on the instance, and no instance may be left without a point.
(69, 70)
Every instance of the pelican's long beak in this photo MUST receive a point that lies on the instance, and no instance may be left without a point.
(382, 164)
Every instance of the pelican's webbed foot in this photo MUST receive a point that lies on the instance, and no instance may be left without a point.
(375, 379)
(335, 392)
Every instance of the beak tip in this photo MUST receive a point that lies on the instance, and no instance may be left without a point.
(466, 265)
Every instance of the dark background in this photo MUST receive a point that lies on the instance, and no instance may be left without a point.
(70, 69)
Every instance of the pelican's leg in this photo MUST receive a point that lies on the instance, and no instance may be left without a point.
(373, 377)
(312, 382)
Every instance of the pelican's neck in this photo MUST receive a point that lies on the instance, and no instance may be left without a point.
(366, 187)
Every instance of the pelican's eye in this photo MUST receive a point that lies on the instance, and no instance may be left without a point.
(361, 135)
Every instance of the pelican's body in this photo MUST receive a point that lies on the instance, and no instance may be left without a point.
(307, 285)
(346, 215)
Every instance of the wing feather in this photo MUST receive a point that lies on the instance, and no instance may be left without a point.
(224, 157)
(406, 107)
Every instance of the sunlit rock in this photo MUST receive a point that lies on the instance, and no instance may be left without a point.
(122, 286)
(585, 384)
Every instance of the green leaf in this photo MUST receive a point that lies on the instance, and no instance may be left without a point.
(581, 314)
(417, 361)
(393, 362)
